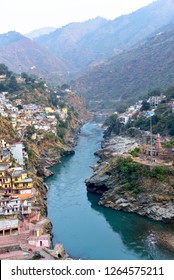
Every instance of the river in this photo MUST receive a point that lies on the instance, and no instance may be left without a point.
(90, 231)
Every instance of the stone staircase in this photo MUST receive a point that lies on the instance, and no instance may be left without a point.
(9, 240)
(9, 243)
(23, 239)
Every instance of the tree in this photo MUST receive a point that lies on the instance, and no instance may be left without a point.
(145, 106)
(30, 131)
(155, 92)
(4, 70)
(2, 87)
(111, 120)
(13, 85)
(65, 86)
(170, 92)
(19, 106)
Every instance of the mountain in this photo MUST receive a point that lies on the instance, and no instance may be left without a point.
(130, 75)
(67, 52)
(91, 42)
(21, 54)
(39, 32)
(64, 41)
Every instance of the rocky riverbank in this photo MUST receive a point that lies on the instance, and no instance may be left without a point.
(47, 160)
(100, 181)
(130, 186)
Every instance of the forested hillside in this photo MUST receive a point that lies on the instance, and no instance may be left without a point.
(130, 75)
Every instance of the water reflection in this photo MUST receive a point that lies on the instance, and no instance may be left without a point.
(89, 231)
(139, 234)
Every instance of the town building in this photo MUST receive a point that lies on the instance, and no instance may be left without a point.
(8, 227)
(123, 118)
(5, 179)
(38, 239)
(17, 152)
(155, 100)
(9, 205)
(21, 183)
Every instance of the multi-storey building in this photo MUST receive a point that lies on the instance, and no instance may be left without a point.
(9, 205)
(21, 183)
(5, 179)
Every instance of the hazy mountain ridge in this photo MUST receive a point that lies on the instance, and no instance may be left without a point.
(68, 52)
(131, 74)
(64, 41)
(107, 37)
(39, 32)
(21, 54)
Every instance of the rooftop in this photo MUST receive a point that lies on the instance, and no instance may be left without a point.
(8, 224)
(25, 196)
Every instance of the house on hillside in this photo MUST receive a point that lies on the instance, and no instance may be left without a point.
(17, 152)
(8, 228)
(2, 78)
(9, 205)
(5, 179)
(37, 238)
(155, 100)
(49, 110)
(123, 119)
(2, 98)
(21, 183)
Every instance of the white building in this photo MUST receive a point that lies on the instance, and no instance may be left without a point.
(17, 152)
(123, 119)
(9, 206)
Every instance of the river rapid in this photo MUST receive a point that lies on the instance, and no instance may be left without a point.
(90, 231)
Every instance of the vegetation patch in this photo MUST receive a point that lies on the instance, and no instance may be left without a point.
(132, 176)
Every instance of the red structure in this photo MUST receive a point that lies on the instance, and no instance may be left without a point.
(158, 146)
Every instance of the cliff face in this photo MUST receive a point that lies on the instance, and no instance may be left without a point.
(153, 199)
(48, 150)
(130, 186)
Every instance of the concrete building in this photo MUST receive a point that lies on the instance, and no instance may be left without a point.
(9, 205)
(5, 179)
(38, 239)
(123, 119)
(21, 183)
(17, 152)
(8, 227)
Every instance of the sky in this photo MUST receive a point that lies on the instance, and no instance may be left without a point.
(24, 16)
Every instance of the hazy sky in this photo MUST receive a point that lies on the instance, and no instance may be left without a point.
(25, 16)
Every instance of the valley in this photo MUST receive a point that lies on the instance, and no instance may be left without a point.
(87, 134)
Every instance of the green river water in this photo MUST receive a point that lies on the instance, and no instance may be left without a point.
(90, 231)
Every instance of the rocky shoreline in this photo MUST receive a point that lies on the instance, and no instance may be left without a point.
(58, 252)
(157, 205)
(39, 172)
(156, 202)
(99, 182)
(47, 160)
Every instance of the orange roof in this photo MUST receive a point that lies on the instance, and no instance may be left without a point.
(25, 196)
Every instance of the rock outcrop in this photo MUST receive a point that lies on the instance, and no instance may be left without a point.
(142, 204)
(129, 186)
